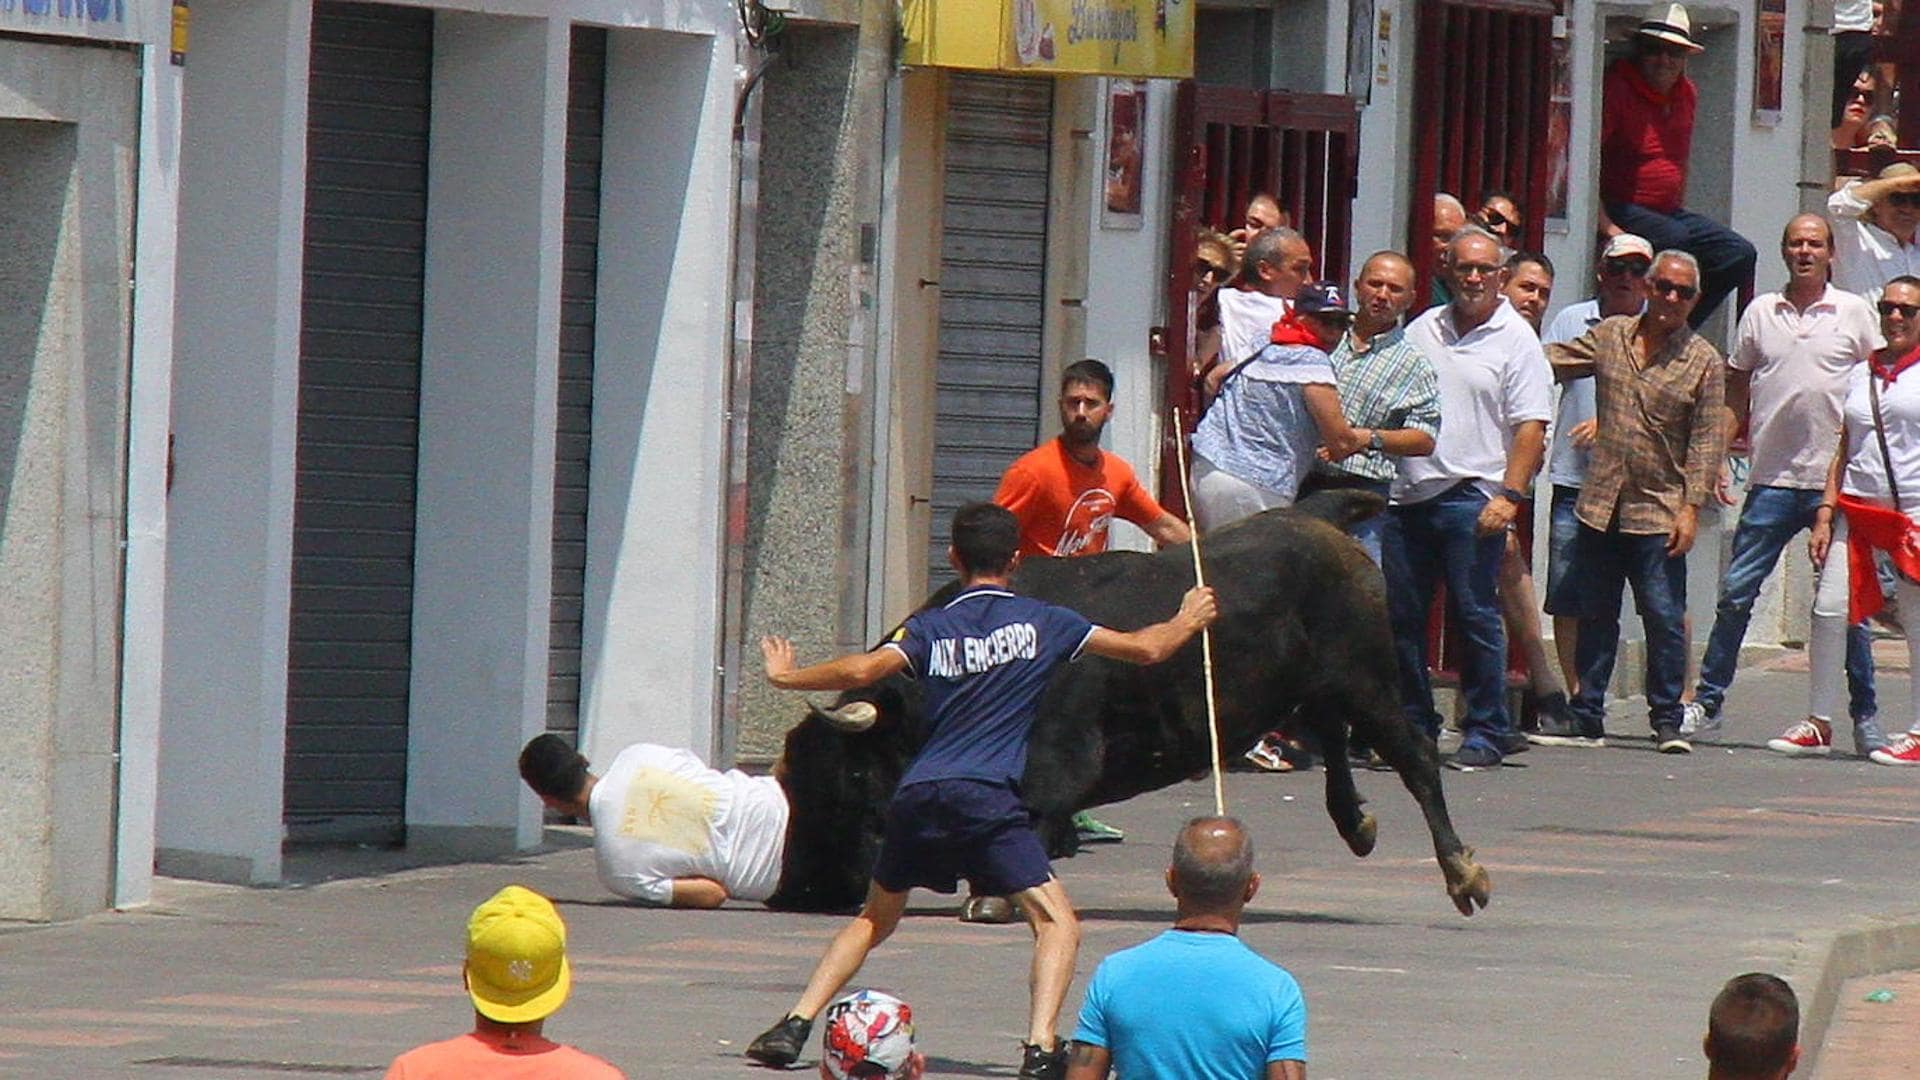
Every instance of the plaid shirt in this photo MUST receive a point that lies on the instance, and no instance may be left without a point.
(1390, 386)
(1662, 429)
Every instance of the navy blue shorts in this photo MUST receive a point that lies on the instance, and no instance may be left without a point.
(939, 831)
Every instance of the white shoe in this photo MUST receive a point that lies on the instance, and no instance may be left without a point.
(1695, 720)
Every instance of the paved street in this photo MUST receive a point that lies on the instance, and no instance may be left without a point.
(1627, 886)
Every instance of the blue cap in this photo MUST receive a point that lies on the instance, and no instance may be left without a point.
(1322, 298)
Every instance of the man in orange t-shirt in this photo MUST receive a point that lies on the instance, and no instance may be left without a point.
(1067, 492)
(517, 975)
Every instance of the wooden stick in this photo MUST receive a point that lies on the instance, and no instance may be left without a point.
(1206, 636)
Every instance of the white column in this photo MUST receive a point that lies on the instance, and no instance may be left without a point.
(489, 378)
(236, 383)
(149, 411)
(653, 539)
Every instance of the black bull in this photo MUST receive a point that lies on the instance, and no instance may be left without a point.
(1302, 631)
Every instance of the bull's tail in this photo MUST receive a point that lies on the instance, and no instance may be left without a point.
(1342, 508)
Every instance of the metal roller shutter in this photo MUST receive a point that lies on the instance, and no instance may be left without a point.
(993, 253)
(351, 636)
(579, 273)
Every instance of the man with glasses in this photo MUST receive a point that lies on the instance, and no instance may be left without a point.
(1646, 133)
(1452, 508)
(1500, 215)
(1278, 262)
(1786, 379)
(1622, 278)
(1662, 431)
(1873, 226)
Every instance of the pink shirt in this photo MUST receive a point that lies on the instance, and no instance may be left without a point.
(525, 1057)
(1800, 362)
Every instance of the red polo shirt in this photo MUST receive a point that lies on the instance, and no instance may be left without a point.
(1645, 137)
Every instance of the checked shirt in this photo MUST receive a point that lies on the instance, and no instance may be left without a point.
(1390, 386)
(1662, 429)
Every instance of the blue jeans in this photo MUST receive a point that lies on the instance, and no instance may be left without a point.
(1603, 564)
(1420, 544)
(1563, 531)
(1770, 518)
(1726, 258)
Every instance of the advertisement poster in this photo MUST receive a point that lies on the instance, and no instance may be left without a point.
(1769, 53)
(1559, 127)
(1126, 134)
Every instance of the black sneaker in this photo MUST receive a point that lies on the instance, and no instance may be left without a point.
(1558, 731)
(1513, 742)
(781, 1044)
(1668, 740)
(1474, 755)
(1038, 1064)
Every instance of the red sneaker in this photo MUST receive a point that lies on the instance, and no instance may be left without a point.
(1904, 750)
(1808, 738)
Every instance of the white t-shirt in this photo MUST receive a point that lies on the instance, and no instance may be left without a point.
(1865, 256)
(1491, 380)
(1567, 463)
(661, 813)
(1866, 475)
(1799, 362)
(1852, 15)
(1246, 323)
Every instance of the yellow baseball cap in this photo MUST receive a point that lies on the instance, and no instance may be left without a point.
(517, 957)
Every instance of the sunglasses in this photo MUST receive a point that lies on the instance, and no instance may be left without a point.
(1495, 220)
(1907, 311)
(1662, 48)
(1204, 269)
(1468, 270)
(1673, 288)
(1617, 266)
(1905, 198)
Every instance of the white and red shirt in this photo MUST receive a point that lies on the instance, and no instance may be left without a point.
(1800, 361)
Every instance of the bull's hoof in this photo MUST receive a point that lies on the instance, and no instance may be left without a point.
(1467, 882)
(987, 909)
(1361, 840)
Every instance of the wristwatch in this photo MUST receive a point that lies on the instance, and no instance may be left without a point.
(1512, 496)
(1375, 442)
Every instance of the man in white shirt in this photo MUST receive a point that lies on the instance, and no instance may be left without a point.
(1786, 379)
(1277, 263)
(667, 830)
(1622, 277)
(1873, 231)
(1453, 507)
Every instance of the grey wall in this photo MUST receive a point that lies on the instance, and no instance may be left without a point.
(807, 468)
(67, 147)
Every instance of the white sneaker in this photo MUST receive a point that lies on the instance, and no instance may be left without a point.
(1695, 720)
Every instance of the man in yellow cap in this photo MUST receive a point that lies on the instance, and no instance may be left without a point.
(517, 975)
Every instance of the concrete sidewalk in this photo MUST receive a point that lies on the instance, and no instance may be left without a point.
(1627, 886)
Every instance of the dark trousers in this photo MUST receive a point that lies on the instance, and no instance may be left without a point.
(1604, 563)
(1726, 259)
(1420, 545)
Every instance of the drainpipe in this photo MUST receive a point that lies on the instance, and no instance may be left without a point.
(755, 56)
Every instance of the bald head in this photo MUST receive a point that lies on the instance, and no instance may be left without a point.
(1804, 222)
(1212, 865)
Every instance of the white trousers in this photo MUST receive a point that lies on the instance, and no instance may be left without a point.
(1221, 498)
(1827, 647)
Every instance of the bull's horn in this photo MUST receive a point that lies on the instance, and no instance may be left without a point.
(854, 716)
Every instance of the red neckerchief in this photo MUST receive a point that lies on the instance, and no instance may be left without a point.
(1890, 372)
(1631, 71)
(1294, 330)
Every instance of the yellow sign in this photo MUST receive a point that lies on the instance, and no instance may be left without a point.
(1139, 38)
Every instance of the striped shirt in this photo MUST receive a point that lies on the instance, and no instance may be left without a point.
(1391, 386)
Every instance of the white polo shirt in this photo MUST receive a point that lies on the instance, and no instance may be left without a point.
(1865, 256)
(1866, 475)
(1492, 379)
(1800, 361)
(1246, 323)
(660, 813)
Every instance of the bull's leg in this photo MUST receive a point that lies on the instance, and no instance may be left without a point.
(1415, 758)
(1355, 826)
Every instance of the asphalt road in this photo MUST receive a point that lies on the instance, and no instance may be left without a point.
(1627, 886)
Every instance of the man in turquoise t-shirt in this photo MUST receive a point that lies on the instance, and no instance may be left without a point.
(1195, 1003)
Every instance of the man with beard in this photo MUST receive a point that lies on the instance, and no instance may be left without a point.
(1066, 493)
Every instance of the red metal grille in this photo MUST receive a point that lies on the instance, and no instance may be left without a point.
(1233, 144)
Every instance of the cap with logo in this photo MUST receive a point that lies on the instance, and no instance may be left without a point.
(868, 1035)
(1323, 298)
(1668, 23)
(517, 957)
(1626, 245)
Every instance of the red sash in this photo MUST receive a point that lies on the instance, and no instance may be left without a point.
(1871, 527)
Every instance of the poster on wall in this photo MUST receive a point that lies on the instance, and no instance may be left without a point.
(1360, 36)
(100, 20)
(1769, 58)
(1559, 127)
(1125, 172)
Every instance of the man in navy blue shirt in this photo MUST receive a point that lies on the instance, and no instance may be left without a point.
(983, 659)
